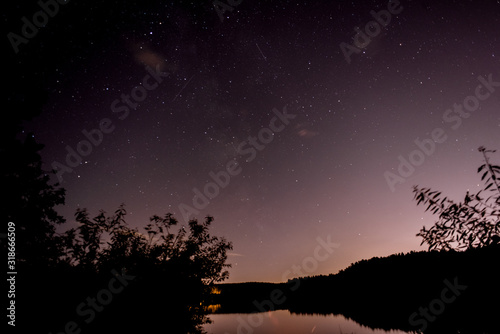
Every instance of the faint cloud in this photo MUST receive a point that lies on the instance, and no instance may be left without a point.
(304, 132)
(148, 58)
(234, 254)
(143, 54)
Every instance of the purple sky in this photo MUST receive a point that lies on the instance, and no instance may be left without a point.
(317, 174)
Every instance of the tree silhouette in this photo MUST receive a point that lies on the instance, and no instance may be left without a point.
(176, 266)
(31, 196)
(86, 245)
(473, 223)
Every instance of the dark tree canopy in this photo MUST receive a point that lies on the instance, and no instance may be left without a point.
(176, 266)
(473, 223)
(103, 243)
(31, 198)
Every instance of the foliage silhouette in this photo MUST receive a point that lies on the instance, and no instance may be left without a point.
(175, 269)
(205, 255)
(31, 199)
(473, 223)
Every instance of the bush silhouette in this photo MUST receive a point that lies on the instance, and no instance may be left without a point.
(175, 270)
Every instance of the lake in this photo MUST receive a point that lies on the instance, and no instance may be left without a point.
(282, 321)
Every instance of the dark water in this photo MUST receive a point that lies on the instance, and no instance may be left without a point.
(282, 321)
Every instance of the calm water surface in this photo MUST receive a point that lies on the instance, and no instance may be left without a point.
(282, 321)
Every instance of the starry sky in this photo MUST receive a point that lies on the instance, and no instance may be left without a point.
(161, 97)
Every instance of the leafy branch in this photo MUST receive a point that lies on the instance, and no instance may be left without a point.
(473, 223)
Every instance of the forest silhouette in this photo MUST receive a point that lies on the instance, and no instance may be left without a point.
(385, 292)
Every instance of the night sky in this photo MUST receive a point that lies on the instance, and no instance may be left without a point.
(181, 97)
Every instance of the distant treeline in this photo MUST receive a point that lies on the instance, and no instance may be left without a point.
(441, 292)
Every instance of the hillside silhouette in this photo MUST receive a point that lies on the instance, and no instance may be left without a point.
(385, 292)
